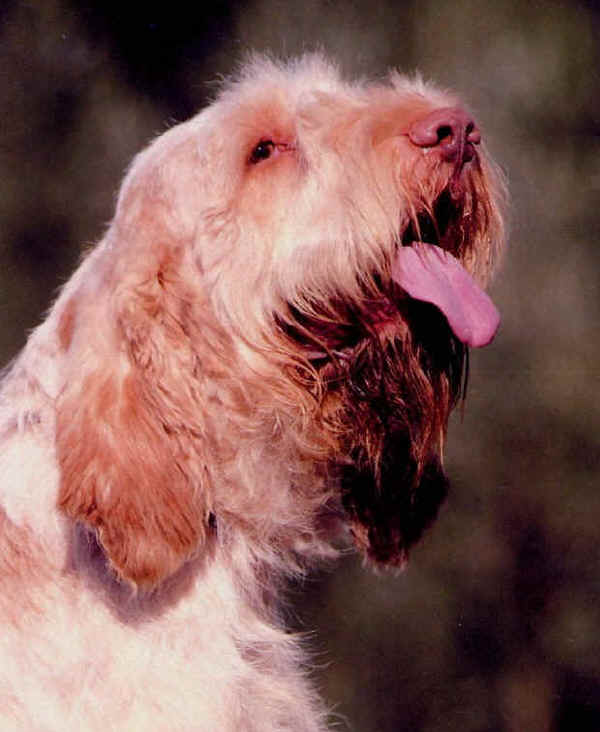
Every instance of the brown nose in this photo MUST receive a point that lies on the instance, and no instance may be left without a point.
(451, 130)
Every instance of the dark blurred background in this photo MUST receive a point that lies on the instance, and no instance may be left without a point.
(496, 623)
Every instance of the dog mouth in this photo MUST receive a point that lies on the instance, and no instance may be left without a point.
(425, 267)
(434, 225)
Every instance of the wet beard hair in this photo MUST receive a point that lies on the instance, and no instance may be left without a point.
(393, 394)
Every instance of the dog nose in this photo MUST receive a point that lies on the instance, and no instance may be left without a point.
(451, 130)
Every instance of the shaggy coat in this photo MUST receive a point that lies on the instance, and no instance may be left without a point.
(232, 382)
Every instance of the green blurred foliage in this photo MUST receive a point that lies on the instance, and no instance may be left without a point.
(496, 623)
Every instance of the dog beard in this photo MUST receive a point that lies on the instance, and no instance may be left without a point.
(394, 391)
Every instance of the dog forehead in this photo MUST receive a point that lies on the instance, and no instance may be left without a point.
(268, 93)
(292, 78)
(270, 97)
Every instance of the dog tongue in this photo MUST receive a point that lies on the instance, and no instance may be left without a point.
(431, 274)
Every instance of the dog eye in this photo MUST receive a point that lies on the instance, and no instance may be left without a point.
(262, 151)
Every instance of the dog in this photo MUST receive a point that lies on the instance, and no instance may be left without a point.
(252, 369)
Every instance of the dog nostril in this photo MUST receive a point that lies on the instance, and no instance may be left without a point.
(473, 134)
(444, 131)
(450, 129)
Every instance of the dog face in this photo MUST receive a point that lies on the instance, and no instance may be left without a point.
(290, 288)
(343, 178)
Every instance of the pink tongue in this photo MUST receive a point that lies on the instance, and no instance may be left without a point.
(431, 274)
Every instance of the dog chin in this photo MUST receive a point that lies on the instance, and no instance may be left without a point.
(388, 397)
(389, 513)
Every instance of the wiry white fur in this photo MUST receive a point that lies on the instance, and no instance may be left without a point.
(161, 351)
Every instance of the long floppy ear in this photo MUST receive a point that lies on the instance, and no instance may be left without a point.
(129, 437)
(130, 432)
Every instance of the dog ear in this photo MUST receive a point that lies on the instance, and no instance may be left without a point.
(129, 431)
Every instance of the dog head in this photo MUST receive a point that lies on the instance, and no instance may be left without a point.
(279, 313)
